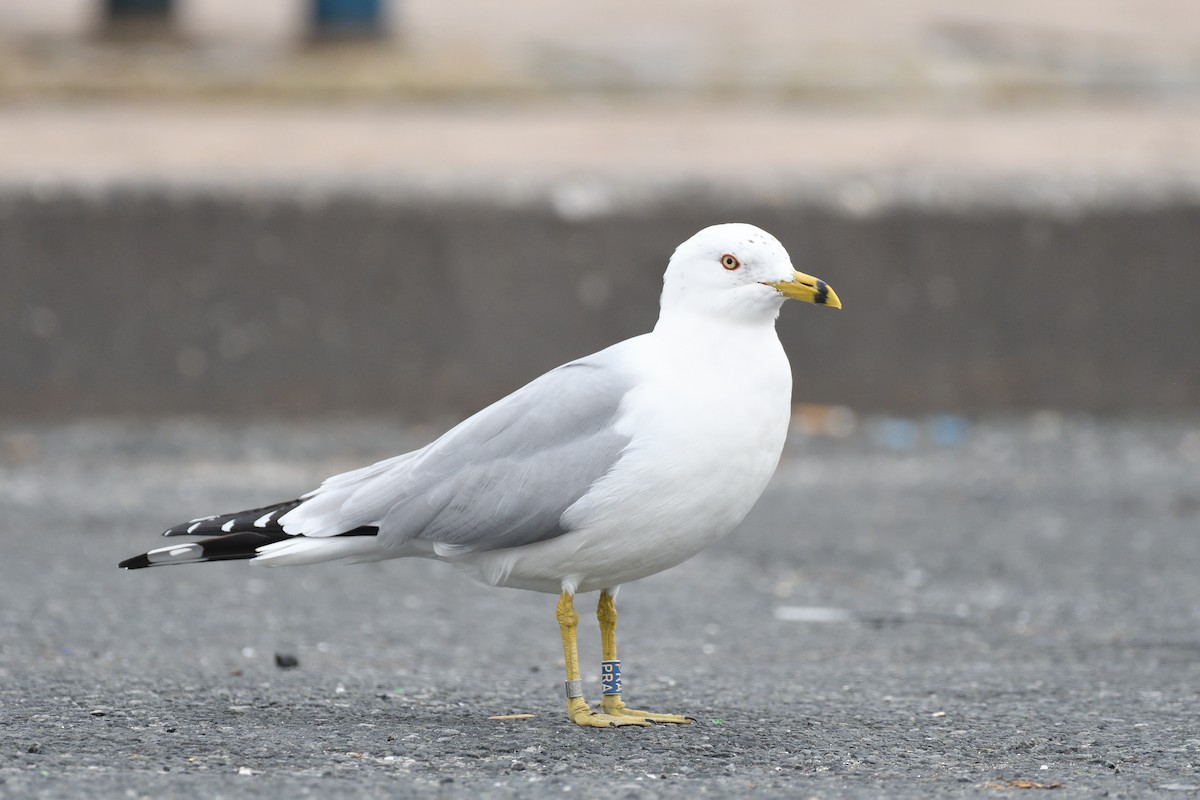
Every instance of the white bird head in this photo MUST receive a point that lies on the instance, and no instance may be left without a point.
(737, 271)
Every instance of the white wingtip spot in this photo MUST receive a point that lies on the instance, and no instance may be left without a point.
(262, 521)
(193, 527)
(228, 526)
(176, 554)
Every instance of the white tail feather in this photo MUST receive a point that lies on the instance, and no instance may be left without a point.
(305, 550)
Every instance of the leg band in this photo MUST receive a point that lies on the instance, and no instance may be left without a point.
(610, 677)
(574, 689)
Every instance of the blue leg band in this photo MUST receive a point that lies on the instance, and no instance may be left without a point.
(610, 677)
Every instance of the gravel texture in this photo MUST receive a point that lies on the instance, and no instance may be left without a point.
(919, 608)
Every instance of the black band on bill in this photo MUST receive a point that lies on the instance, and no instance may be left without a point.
(822, 294)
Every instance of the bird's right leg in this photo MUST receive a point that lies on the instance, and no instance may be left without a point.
(577, 708)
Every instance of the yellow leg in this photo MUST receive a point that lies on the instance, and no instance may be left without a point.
(610, 702)
(577, 708)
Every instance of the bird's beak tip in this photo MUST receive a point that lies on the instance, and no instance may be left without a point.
(809, 289)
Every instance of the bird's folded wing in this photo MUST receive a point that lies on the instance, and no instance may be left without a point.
(502, 478)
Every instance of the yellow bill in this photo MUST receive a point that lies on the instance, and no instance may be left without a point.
(807, 288)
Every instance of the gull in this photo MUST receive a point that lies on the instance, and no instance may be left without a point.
(608, 469)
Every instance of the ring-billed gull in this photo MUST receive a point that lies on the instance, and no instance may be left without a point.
(602, 471)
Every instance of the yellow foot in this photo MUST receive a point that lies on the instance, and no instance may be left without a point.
(613, 706)
(580, 714)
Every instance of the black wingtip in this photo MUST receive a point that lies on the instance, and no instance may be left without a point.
(252, 519)
(137, 562)
(229, 547)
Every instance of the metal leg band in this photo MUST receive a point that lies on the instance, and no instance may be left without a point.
(610, 677)
(574, 689)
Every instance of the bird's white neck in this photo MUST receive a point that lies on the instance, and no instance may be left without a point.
(687, 322)
(708, 344)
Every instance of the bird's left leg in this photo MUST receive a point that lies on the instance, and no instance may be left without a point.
(610, 669)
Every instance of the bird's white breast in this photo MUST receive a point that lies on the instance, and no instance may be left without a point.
(707, 423)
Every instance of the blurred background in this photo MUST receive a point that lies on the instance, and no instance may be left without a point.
(411, 207)
(246, 245)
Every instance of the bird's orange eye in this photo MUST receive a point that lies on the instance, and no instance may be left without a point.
(729, 262)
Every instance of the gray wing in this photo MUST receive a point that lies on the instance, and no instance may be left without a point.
(502, 478)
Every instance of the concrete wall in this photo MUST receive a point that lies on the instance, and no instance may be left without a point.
(155, 301)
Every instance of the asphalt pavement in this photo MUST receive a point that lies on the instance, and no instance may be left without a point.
(917, 608)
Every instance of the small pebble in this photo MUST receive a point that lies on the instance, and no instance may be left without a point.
(286, 661)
